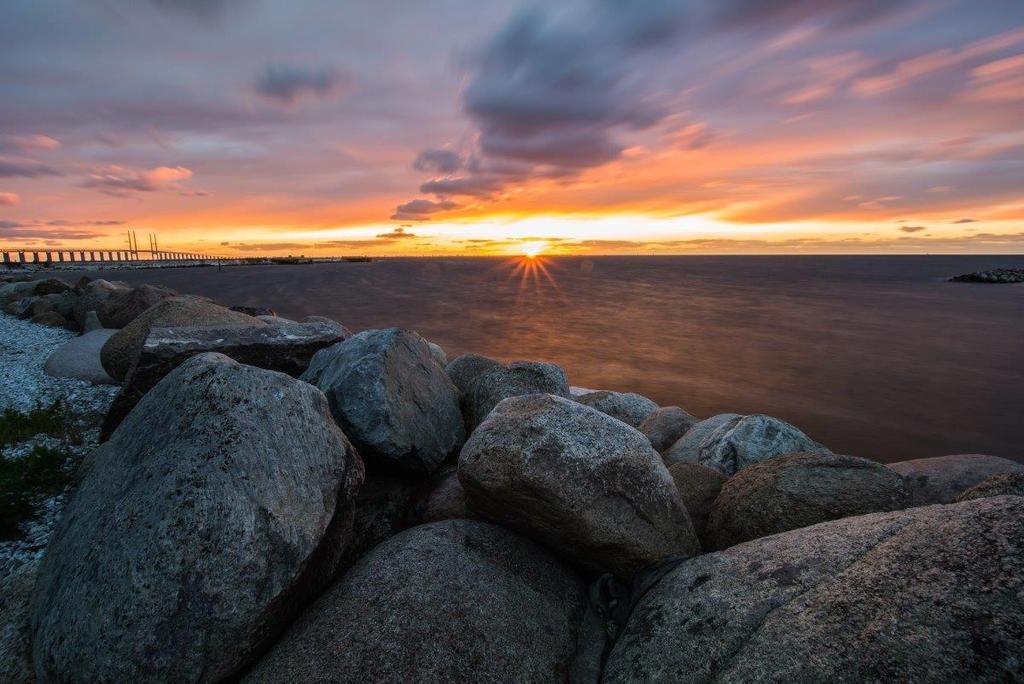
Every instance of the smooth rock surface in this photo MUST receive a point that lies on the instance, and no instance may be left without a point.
(1007, 484)
(79, 358)
(665, 426)
(465, 369)
(218, 508)
(391, 398)
(124, 306)
(454, 601)
(438, 353)
(698, 487)
(730, 442)
(798, 490)
(930, 594)
(943, 478)
(122, 350)
(581, 482)
(515, 379)
(629, 407)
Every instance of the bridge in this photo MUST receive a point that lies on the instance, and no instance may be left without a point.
(18, 256)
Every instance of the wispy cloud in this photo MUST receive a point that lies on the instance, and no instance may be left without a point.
(119, 181)
(289, 84)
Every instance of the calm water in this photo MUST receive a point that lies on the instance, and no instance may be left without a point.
(873, 356)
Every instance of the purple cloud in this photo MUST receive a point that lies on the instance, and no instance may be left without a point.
(288, 84)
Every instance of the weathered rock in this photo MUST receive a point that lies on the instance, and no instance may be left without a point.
(465, 369)
(15, 635)
(50, 286)
(508, 612)
(666, 425)
(62, 303)
(124, 306)
(943, 478)
(392, 400)
(438, 353)
(585, 484)
(629, 407)
(1007, 484)
(798, 490)
(12, 292)
(698, 487)
(122, 350)
(441, 498)
(929, 594)
(91, 323)
(576, 392)
(219, 507)
(254, 311)
(50, 318)
(514, 380)
(730, 442)
(92, 296)
(79, 358)
(20, 308)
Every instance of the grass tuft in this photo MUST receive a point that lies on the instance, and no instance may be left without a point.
(55, 420)
(25, 480)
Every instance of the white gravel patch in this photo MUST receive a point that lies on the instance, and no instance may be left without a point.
(24, 349)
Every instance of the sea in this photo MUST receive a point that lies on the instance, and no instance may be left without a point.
(879, 357)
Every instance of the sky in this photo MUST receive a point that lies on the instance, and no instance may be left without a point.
(317, 127)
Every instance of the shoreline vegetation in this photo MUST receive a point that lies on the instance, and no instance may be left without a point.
(197, 492)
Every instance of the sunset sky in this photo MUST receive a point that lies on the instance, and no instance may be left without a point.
(450, 126)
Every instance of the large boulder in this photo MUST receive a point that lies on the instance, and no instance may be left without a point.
(943, 478)
(122, 349)
(465, 369)
(798, 490)
(581, 482)
(51, 319)
(79, 358)
(50, 286)
(1007, 484)
(12, 292)
(391, 398)
(516, 379)
(454, 601)
(91, 297)
(698, 487)
(930, 594)
(124, 306)
(15, 633)
(629, 407)
(286, 348)
(665, 426)
(219, 507)
(730, 442)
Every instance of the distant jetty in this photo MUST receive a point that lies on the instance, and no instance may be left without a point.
(995, 275)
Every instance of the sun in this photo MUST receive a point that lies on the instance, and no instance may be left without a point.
(532, 250)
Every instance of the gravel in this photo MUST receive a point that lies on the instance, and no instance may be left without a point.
(24, 349)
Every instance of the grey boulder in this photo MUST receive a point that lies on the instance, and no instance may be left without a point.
(730, 442)
(91, 297)
(516, 379)
(15, 637)
(122, 350)
(453, 601)
(286, 348)
(629, 407)
(440, 498)
(943, 478)
(79, 358)
(1007, 484)
(665, 426)
(465, 369)
(581, 482)
(124, 306)
(219, 507)
(391, 398)
(798, 490)
(930, 594)
(698, 487)
(438, 353)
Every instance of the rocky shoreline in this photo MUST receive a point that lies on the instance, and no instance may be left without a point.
(276, 500)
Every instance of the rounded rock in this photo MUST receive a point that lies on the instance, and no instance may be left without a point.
(943, 478)
(665, 426)
(698, 487)
(516, 379)
(1007, 484)
(629, 407)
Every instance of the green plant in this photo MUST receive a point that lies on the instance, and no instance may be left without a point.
(56, 420)
(23, 481)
